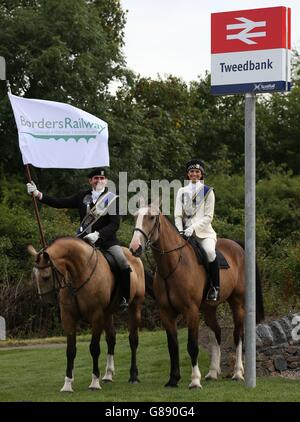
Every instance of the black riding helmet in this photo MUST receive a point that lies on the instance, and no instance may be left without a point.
(197, 164)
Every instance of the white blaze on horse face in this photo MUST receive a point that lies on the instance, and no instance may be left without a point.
(34, 276)
(138, 239)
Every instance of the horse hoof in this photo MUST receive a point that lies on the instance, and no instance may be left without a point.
(211, 376)
(67, 387)
(66, 390)
(134, 381)
(194, 386)
(238, 377)
(171, 384)
(95, 384)
(107, 380)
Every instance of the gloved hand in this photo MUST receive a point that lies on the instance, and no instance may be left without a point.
(188, 231)
(31, 188)
(92, 237)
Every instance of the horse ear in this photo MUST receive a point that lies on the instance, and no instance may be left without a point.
(31, 250)
(141, 202)
(46, 256)
(157, 202)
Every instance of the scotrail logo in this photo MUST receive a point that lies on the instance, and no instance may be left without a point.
(264, 87)
(2, 328)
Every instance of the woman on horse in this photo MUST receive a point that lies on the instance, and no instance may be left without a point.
(194, 212)
(99, 231)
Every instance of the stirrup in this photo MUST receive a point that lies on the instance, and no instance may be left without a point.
(123, 304)
(213, 294)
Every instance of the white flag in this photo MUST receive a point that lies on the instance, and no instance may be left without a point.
(58, 135)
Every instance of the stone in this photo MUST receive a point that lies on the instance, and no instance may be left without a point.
(280, 363)
(279, 335)
(275, 350)
(264, 332)
(261, 357)
(261, 372)
(294, 365)
(269, 366)
(293, 359)
(293, 349)
(259, 342)
(286, 326)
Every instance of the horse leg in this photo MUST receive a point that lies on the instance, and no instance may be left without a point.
(214, 334)
(134, 322)
(110, 335)
(71, 354)
(238, 312)
(192, 320)
(95, 353)
(169, 322)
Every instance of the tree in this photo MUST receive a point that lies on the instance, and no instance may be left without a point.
(62, 50)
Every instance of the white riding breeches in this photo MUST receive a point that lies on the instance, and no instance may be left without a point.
(209, 245)
(118, 254)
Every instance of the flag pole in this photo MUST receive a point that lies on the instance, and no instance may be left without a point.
(36, 210)
(28, 175)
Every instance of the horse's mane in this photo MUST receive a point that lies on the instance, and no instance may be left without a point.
(67, 237)
(170, 222)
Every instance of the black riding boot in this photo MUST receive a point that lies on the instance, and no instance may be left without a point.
(125, 288)
(214, 291)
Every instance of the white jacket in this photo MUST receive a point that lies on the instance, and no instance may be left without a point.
(199, 215)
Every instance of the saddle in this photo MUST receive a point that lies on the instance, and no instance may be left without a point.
(202, 257)
(114, 267)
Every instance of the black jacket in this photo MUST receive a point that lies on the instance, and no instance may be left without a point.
(107, 225)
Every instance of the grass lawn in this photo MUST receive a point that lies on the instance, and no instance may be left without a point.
(38, 374)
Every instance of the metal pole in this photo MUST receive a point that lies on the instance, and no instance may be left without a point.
(250, 326)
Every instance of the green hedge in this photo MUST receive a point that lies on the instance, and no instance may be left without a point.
(278, 243)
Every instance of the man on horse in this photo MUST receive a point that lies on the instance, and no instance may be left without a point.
(194, 212)
(99, 220)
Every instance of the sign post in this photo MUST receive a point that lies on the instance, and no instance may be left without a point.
(250, 54)
(250, 256)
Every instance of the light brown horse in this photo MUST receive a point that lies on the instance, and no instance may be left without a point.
(179, 285)
(87, 290)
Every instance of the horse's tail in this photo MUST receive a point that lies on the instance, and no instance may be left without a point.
(149, 283)
(259, 300)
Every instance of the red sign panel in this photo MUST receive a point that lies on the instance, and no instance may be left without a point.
(248, 30)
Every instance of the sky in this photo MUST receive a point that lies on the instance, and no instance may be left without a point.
(173, 36)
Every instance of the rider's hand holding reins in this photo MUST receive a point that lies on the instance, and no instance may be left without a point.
(188, 231)
(32, 189)
(92, 237)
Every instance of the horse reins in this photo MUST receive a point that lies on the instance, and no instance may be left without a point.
(61, 281)
(160, 251)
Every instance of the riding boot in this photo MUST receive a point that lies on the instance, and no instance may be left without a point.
(125, 288)
(214, 275)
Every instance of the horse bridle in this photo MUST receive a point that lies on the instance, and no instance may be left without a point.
(60, 280)
(161, 252)
(148, 236)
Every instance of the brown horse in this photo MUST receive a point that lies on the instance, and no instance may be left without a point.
(87, 289)
(179, 285)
